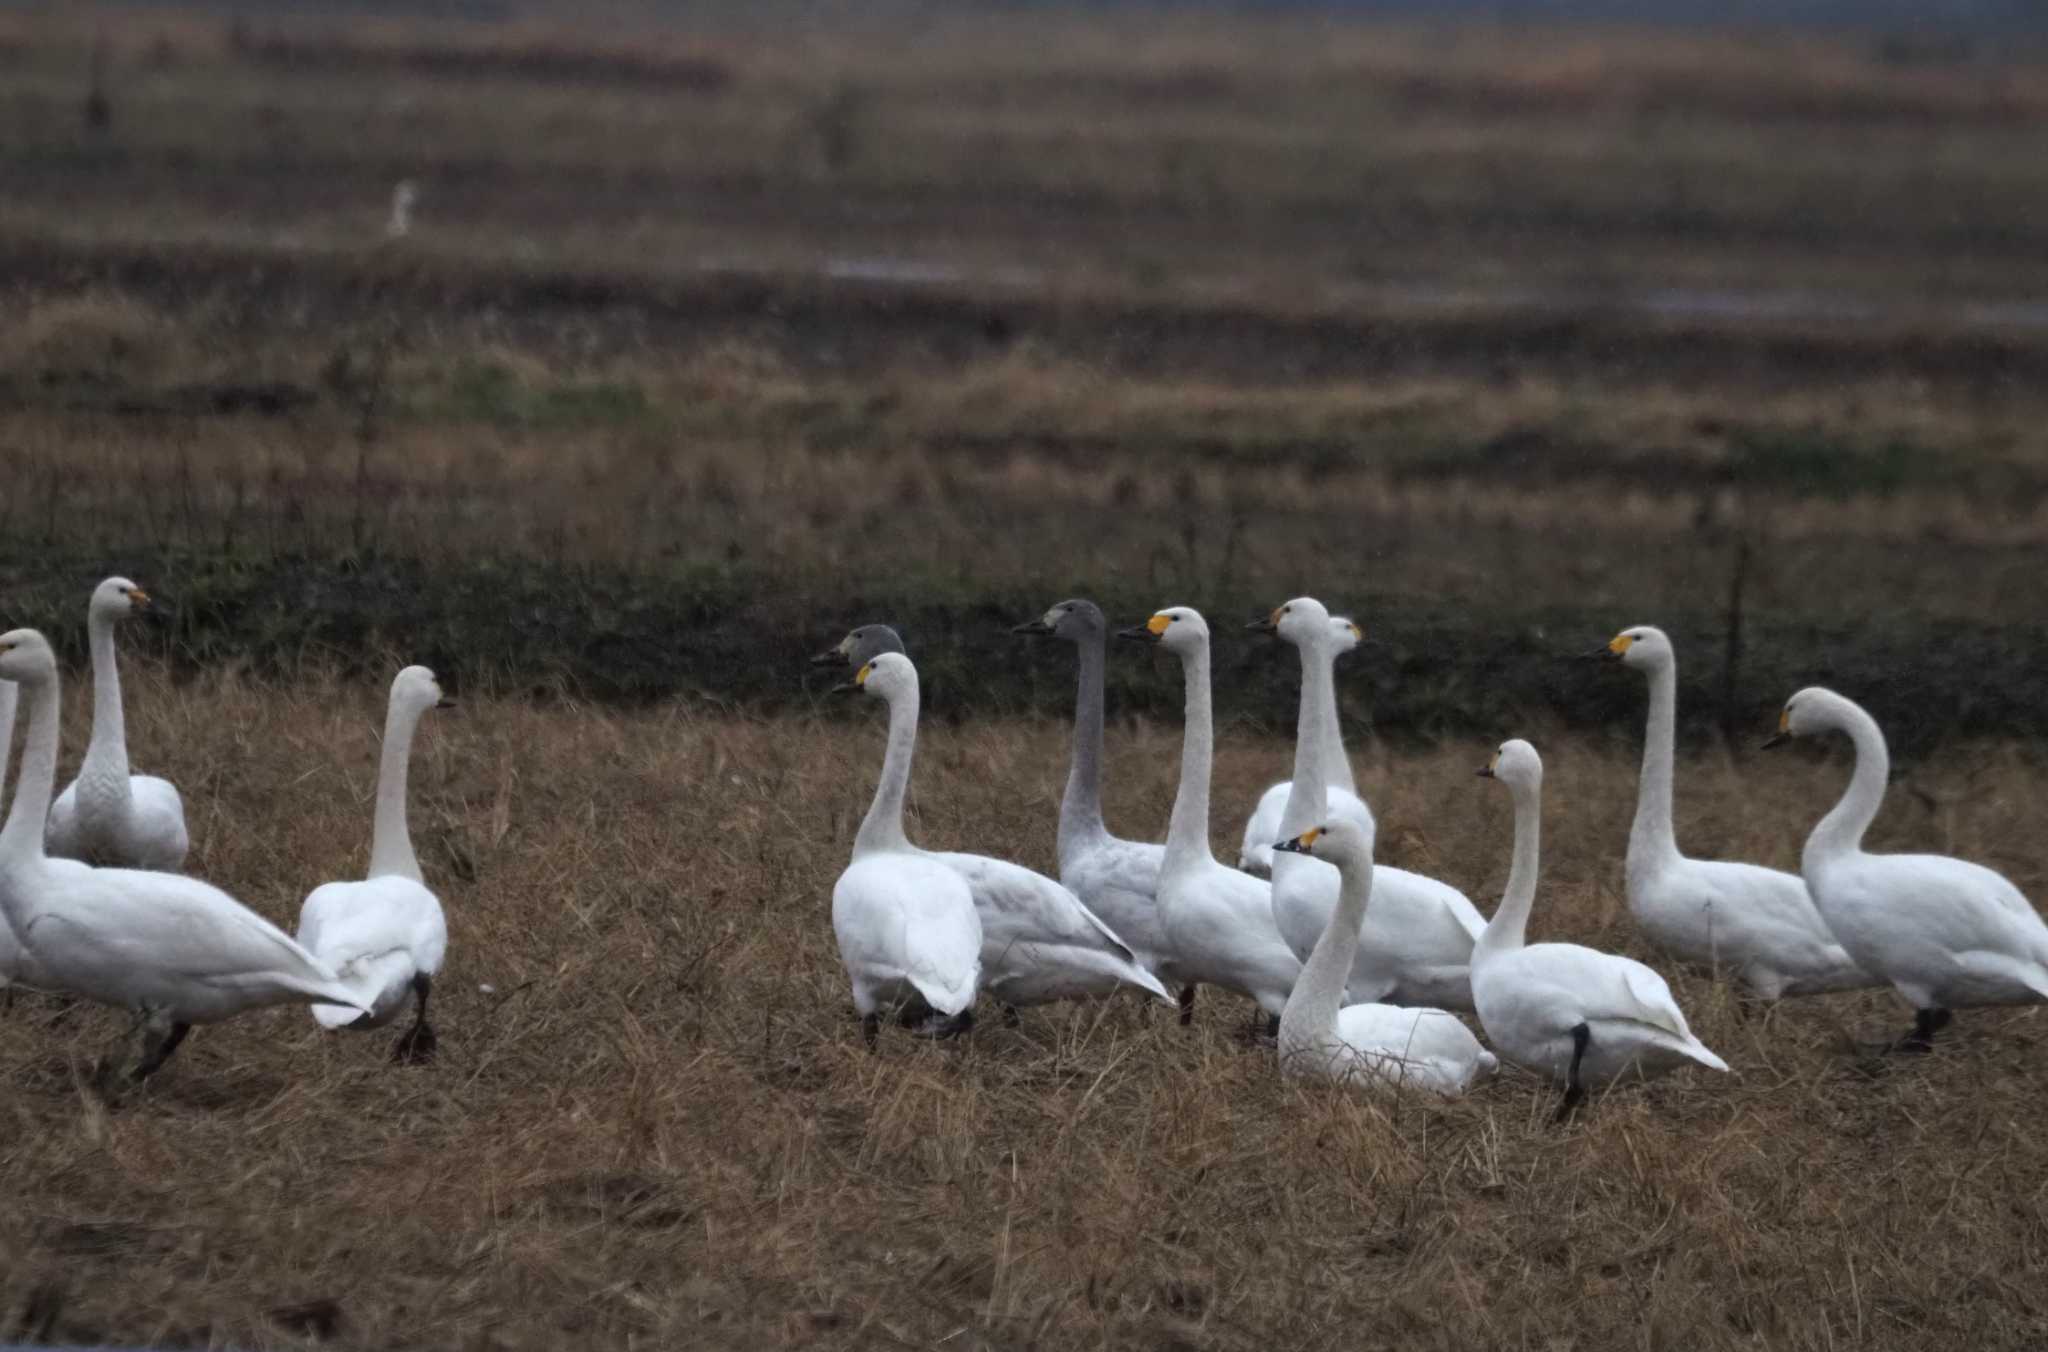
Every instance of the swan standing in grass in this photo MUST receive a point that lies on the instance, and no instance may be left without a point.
(1117, 879)
(107, 816)
(174, 950)
(1417, 947)
(1757, 923)
(1947, 934)
(1577, 1015)
(1263, 828)
(385, 936)
(1218, 921)
(1322, 1036)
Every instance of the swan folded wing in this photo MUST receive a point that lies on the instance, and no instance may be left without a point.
(1030, 907)
(341, 922)
(184, 927)
(1641, 996)
(1751, 913)
(1449, 913)
(158, 819)
(901, 914)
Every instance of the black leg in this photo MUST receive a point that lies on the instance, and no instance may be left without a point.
(871, 1031)
(1273, 1025)
(1010, 1019)
(160, 1039)
(1926, 1023)
(1187, 1004)
(940, 1026)
(1574, 1092)
(417, 1045)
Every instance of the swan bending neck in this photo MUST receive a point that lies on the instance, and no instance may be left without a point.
(1311, 1013)
(882, 828)
(1841, 831)
(1509, 928)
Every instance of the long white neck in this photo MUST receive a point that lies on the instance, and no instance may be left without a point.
(882, 828)
(1308, 798)
(390, 838)
(106, 755)
(1509, 928)
(1841, 831)
(1187, 833)
(21, 839)
(1081, 806)
(1650, 841)
(1311, 1013)
(1336, 765)
(9, 693)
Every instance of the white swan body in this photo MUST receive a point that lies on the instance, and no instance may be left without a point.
(1758, 924)
(385, 936)
(107, 816)
(10, 951)
(906, 925)
(1263, 827)
(1577, 1016)
(1946, 933)
(1375, 1043)
(1218, 921)
(174, 949)
(1417, 945)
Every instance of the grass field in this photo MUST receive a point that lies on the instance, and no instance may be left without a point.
(658, 1126)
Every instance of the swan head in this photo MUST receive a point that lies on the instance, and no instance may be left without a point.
(1815, 709)
(1180, 628)
(119, 599)
(1643, 646)
(1076, 621)
(860, 647)
(888, 675)
(417, 689)
(26, 657)
(1516, 765)
(1339, 841)
(1304, 621)
(1344, 634)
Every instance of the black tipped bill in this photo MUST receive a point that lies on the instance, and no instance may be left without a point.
(1486, 772)
(1037, 626)
(1264, 625)
(1775, 740)
(1293, 846)
(1138, 634)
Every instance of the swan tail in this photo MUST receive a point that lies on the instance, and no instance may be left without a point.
(362, 985)
(1699, 1052)
(948, 998)
(332, 1017)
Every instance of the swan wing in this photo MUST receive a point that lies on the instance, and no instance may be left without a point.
(157, 822)
(899, 916)
(1038, 936)
(61, 839)
(343, 923)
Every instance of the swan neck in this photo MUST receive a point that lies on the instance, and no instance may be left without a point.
(21, 839)
(1841, 831)
(391, 837)
(1081, 806)
(1308, 797)
(1187, 833)
(1651, 840)
(882, 828)
(1311, 1013)
(1336, 765)
(106, 754)
(9, 694)
(1509, 928)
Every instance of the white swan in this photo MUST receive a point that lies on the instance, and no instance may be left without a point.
(1262, 828)
(1218, 921)
(908, 932)
(1321, 1036)
(1115, 878)
(1576, 1015)
(385, 936)
(1947, 934)
(1417, 946)
(172, 949)
(107, 816)
(1757, 923)
(10, 951)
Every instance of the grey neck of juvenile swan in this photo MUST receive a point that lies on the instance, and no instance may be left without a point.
(1311, 1013)
(882, 828)
(21, 839)
(1081, 806)
(9, 693)
(1509, 928)
(1336, 765)
(106, 755)
(1308, 797)
(1187, 833)
(1651, 842)
(390, 839)
(1841, 831)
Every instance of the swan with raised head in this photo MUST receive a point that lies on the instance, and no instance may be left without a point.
(1115, 878)
(1320, 1035)
(1218, 921)
(1757, 924)
(860, 647)
(909, 935)
(1947, 934)
(1263, 826)
(385, 936)
(1417, 946)
(1578, 1016)
(172, 949)
(108, 816)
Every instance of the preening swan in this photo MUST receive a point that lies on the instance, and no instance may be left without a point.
(860, 647)
(172, 949)
(107, 816)
(1320, 1035)
(1758, 924)
(1117, 879)
(1218, 921)
(1263, 827)
(1577, 1015)
(1417, 946)
(1947, 934)
(908, 932)
(385, 936)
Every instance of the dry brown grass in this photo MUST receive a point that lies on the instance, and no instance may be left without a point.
(658, 1127)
